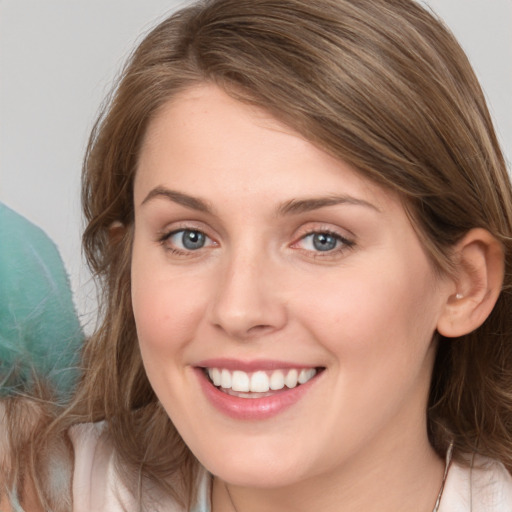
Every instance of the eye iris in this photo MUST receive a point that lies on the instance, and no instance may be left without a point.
(324, 241)
(192, 239)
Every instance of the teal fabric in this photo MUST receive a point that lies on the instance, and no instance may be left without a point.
(40, 335)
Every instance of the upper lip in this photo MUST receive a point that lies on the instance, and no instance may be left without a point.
(252, 365)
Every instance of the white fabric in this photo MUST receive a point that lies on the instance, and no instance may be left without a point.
(96, 486)
(486, 487)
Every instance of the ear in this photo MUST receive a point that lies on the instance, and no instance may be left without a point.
(116, 231)
(480, 264)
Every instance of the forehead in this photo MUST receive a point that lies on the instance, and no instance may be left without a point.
(203, 140)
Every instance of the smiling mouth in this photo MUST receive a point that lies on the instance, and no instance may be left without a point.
(260, 383)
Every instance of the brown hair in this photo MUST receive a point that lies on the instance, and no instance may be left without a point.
(380, 84)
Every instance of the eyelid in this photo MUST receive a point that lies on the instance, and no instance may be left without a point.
(334, 234)
(165, 235)
(309, 228)
(347, 242)
(182, 225)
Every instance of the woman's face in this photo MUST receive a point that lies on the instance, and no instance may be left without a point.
(299, 287)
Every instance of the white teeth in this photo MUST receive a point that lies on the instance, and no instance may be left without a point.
(277, 380)
(260, 381)
(225, 379)
(240, 381)
(306, 375)
(291, 379)
(215, 375)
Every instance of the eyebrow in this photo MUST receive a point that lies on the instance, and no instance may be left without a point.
(292, 207)
(191, 202)
(296, 206)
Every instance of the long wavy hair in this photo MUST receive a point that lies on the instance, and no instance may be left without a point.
(380, 84)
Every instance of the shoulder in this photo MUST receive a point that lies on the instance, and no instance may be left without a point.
(485, 486)
(97, 484)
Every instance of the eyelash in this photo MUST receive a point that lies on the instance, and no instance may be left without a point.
(343, 242)
(165, 237)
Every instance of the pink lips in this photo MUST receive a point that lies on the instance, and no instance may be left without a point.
(251, 408)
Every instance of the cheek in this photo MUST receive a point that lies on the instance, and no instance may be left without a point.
(378, 329)
(375, 313)
(166, 311)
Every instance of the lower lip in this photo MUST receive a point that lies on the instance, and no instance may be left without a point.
(252, 408)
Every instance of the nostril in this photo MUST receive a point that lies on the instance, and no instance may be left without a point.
(258, 330)
(245, 333)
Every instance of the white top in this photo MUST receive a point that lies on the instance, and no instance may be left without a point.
(486, 487)
(97, 486)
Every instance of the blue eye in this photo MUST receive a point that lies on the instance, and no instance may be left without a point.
(187, 239)
(323, 242)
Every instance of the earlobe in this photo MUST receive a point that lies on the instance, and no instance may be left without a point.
(479, 277)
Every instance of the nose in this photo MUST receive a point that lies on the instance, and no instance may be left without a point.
(248, 302)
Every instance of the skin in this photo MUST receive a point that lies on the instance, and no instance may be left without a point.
(366, 311)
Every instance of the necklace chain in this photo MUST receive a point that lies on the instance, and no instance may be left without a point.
(231, 499)
(439, 496)
(448, 463)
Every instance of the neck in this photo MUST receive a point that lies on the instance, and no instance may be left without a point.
(407, 476)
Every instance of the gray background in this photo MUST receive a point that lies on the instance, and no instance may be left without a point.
(58, 59)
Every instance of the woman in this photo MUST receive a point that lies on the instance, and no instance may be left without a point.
(302, 222)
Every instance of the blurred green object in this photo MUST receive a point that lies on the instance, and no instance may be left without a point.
(40, 335)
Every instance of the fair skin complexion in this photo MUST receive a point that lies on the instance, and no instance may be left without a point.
(303, 262)
(250, 245)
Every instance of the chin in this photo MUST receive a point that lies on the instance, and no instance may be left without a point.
(263, 468)
(258, 476)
